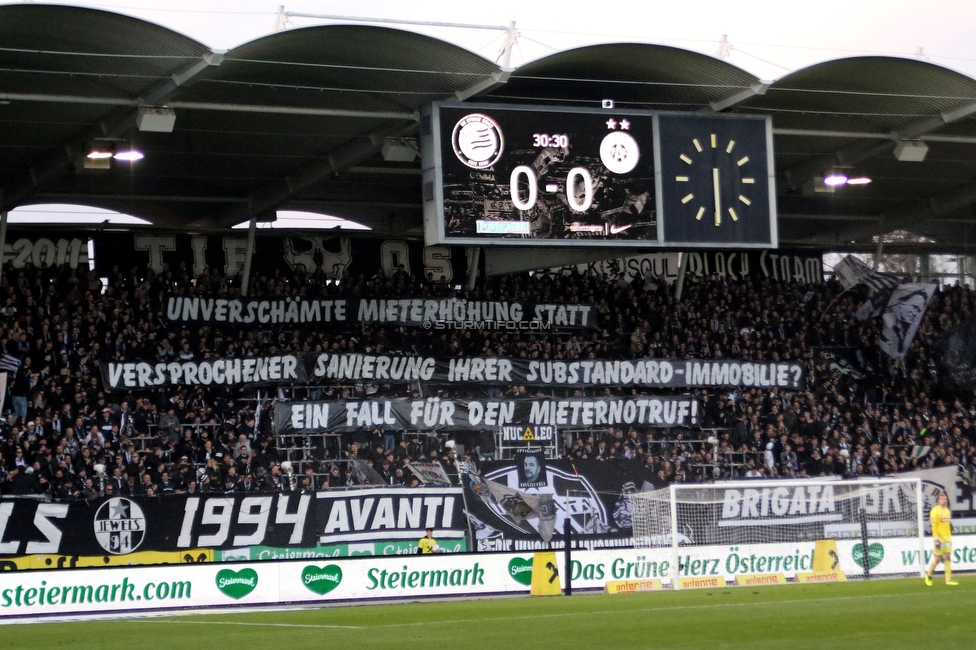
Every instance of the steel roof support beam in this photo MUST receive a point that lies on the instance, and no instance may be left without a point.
(737, 98)
(856, 152)
(208, 106)
(926, 210)
(865, 135)
(339, 160)
(490, 82)
(116, 123)
(343, 158)
(891, 248)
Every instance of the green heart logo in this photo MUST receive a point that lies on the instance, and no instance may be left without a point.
(520, 570)
(237, 584)
(874, 555)
(323, 580)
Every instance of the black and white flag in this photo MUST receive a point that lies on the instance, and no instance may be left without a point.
(959, 354)
(9, 363)
(902, 317)
(875, 305)
(851, 272)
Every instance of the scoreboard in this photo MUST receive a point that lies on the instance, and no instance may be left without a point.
(526, 175)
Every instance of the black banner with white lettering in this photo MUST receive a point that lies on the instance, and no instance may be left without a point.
(293, 418)
(593, 495)
(429, 313)
(328, 253)
(323, 368)
(179, 522)
(334, 255)
(780, 266)
(282, 370)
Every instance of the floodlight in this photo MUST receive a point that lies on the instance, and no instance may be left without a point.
(911, 151)
(158, 119)
(100, 149)
(128, 154)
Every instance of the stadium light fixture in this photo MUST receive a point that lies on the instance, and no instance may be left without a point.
(129, 154)
(100, 149)
(837, 179)
(400, 150)
(911, 151)
(157, 119)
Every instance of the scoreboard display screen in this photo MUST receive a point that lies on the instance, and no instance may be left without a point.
(517, 175)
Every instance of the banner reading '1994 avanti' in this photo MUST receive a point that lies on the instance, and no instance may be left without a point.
(311, 368)
(181, 524)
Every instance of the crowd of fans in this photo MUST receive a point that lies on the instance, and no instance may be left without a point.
(64, 436)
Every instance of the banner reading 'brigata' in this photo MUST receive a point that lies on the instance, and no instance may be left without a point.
(319, 368)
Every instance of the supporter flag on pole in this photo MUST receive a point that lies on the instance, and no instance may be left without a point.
(902, 317)
(959, 354)
(8, 364)
(257, 413)
(875, 305)
(430, 473)
(851, 272)
(920, 451)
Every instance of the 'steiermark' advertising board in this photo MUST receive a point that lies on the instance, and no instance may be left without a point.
(117, 589)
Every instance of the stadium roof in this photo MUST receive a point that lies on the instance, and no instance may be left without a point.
(298, 119)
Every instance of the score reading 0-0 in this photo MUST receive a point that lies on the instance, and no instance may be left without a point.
(573, 177)
(590, 176)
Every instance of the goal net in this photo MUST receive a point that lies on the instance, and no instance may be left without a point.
(805, 530)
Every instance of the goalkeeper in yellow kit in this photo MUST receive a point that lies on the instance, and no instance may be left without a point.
(941, 518)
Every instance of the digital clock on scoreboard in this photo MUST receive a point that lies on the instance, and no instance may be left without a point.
(524, 175)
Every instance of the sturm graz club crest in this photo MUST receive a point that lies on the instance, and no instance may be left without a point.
(477, 141)
(120, 526)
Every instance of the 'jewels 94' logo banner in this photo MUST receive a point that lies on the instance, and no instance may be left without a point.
(120, 526)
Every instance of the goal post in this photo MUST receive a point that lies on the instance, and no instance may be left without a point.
(772, 531)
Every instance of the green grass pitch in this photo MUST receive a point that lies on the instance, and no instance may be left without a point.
(882, 614)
